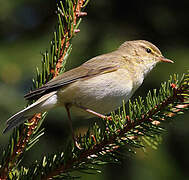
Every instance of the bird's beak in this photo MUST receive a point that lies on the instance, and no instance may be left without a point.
(163, 59)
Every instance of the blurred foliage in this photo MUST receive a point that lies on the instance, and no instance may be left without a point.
(25, 30)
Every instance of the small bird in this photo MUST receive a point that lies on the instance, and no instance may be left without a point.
(98, 86)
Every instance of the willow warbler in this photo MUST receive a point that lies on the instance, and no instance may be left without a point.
(98, 86)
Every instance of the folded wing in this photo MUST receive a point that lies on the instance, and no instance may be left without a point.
(98, 65)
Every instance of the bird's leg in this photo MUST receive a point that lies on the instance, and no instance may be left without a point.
(95, 113)
(71, 127)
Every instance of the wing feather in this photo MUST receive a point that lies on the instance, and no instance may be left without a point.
(98, 65)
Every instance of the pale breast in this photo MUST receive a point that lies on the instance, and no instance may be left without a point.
(103, 93)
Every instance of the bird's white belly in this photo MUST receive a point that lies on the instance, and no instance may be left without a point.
(103, 93)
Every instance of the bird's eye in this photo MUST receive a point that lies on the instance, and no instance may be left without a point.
(148, 50)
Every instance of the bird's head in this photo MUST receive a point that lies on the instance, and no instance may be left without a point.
(142, 53)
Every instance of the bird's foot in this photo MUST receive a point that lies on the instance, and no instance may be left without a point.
(76, 144)
(108, 118)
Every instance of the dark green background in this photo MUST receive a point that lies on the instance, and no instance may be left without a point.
(26, 29)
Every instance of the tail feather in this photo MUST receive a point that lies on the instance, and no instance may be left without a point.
(16, 120)
(28, 112)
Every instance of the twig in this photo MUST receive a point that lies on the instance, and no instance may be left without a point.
(27, 131)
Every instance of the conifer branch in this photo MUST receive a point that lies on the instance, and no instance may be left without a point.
(52, 64)
(178, 100)
(129, 129)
